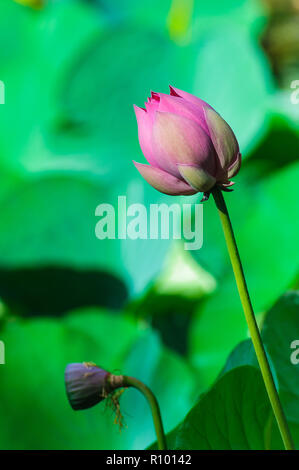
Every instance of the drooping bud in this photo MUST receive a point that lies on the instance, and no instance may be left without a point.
(87, 384)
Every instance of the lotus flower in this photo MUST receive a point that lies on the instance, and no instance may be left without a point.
(188, 146)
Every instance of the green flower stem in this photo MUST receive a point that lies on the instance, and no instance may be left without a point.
(154, 406)
(250, 318)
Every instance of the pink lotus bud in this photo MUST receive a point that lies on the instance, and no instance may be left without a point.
(188, 146)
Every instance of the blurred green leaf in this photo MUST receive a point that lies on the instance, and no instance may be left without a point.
(238, 89)
(280, 330)
(278, 148)
(234, 414)
(68, 136)
(228, 11)
(183, 276)
(51, 221)
(71, 133)
(55, 290)
(155, 13)
(173, 297)
(150, 13)
(32, 387)
(280, 335)
(242, 355)
(32, 74)
(266, 245)
(81, 123)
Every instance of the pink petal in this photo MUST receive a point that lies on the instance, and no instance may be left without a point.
(177, 105)
(163, 181)
(188, 97)
(224, 140)
(177, 139)
(152, 105)
(228, 185)
(145, 125)
(235, 167)
(198, 178)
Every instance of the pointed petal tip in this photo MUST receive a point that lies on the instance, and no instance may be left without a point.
(139, 164)
(137, 109)
(173, 91)
(155, 96)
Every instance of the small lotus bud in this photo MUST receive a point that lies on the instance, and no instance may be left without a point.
(87, 384)
(190, 148)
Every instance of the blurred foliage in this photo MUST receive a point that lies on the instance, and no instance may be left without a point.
(280, 328)
(235, 412)
(31, 3)
(281, 39)
(266, 233)
(32, 387)
(72, 71)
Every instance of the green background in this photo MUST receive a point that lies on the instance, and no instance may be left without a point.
(72, 71)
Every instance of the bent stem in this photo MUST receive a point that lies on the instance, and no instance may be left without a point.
(154, 406)
(250, 318)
